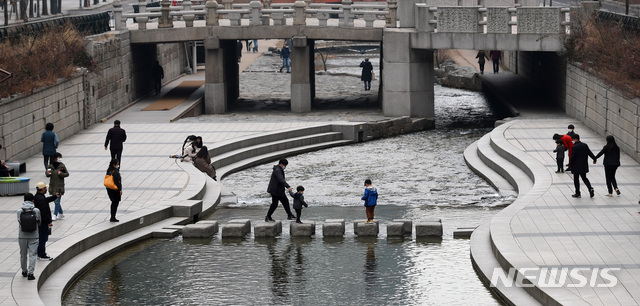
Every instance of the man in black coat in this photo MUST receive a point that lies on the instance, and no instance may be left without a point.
(42, 203)
(277, 184)
(579, 164)
(116, 135)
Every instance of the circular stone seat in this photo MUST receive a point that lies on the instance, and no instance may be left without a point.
(14, 185)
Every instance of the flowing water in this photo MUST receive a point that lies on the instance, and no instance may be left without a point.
(420, 175)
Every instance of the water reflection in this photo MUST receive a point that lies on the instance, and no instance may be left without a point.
(113, 285)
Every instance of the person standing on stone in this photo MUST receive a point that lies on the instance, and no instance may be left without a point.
(28, 239)
(496, 56)
(42, 203)
(116, 135)
(367, 73)
(370, 198)
(285, 55)
(114, 195)
(481, 56)
(157, 73)
(277, 184)
(611, 163)
(298, 202)
(580, 166)
(50, 143)
(56, 173)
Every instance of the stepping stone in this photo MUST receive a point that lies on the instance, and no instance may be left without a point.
(200, 230)
(233, 230)
(267, 229)
(395, 229)
(463, 232)
(165, 233)
(335, 221)
(361, 228)
(333, 228)
(408, 225)
(245, 222)
(429, 228)
(306, 229)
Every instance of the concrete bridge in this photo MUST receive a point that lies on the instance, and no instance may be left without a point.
(409, 31)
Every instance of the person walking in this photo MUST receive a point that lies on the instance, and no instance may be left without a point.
(202, 161)
(580, 166)
(370, 198)
(298, 202)
(276, 187)
(285, 55)
(56, 173)
(367, 73)
(117, 136)
(611, 163)
(115, 195)
(157, 73)
(41, 202)
(50, 143)
(496, 56)
(28, 235)
(481, 56)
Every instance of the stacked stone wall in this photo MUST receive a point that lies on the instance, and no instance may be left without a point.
(603, 109)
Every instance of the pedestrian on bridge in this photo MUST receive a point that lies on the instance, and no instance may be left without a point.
(580, 166)
(496, 56)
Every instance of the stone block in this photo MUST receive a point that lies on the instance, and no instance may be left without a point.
(333, 229)
(408, 225)
(245, 222)
(199, 230)
(214, 222)
(302, 229)
(463, 232)
(335, 221)
(361, 228)
(265, 229)
(428, 229)
(233, 230)
(165, 233)
(395, 229)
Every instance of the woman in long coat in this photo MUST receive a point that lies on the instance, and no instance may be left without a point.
(367, 73)
(611, 163)
(56, 172)
(114, 195)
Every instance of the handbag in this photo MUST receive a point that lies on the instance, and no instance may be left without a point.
(109, 182)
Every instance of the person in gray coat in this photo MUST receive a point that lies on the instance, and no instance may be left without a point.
(28, 241)
(277, 184)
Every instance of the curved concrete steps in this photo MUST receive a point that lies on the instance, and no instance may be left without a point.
(477, 165)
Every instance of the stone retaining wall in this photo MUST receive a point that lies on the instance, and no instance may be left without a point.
(78, 102)
(603, 109)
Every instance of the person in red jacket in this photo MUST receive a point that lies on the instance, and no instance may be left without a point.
(566, 141)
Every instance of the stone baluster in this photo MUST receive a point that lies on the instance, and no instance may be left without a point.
(267, 4)
(165, 20)
(306, 3)
(227, 4)
(255, 7)
(142, 22)
(299, 16)
(392, 18)
(142, 6)
(119, 23)
(186, 5)
(347, 17)
(322, 19)
(212, 13)
(188, 20)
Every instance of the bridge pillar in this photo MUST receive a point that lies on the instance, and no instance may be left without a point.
(407, 77)
(406, 13)
(215, 91)
(302, 73)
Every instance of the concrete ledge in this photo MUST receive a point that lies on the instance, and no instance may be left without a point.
(200, 229)
(165, 233)
(333, 229)
(302, 230)
(266, 229)
(407, 224)
(361, 228)
(395, 229)
(187, 208)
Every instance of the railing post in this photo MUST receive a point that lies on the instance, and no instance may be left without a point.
(117, 15)
(392, 18)
(227, 4)
(255, 7)
(299, 16)
(165, 20)
(142, 6)
(347, 19)
(186, 5)
(267, 4)
(212, 13)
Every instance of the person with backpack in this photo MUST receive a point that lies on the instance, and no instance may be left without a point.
(42, 203)
(29, 219)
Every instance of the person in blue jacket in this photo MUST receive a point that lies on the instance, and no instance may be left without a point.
(50, 143)
(370, 198)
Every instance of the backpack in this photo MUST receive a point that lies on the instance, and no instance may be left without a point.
(28, 220)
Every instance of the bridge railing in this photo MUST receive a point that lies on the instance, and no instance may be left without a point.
(261, 13)
(498, 20)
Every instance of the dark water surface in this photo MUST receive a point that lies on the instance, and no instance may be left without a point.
(421, 175)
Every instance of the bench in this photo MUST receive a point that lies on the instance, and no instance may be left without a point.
(14, 185)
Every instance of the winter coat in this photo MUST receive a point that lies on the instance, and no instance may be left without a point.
(26, 206)
(611, 155)
(579, 162)
(298, 200)
(56, 181)
(277, 184)
(116, 136)
(189, 151)
(560, 151)
(367, 71)
(566, 141)
(42, 203)
(50, 142)
(285, 52)
(495, 55)
(481, 56)
(117, 179)
(204, 165)
(370, 196)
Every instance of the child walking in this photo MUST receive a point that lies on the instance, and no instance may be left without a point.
(560, 155)
(370, 198)
(298, 201)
